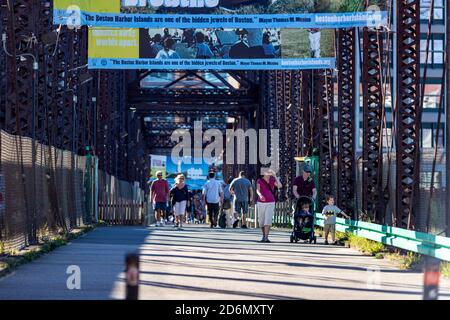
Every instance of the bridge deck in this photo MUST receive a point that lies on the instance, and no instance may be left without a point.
(200, 263)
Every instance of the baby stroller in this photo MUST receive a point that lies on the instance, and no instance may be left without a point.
(303, 225)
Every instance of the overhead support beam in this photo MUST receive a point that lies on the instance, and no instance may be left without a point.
(149, 108)
(407, 113)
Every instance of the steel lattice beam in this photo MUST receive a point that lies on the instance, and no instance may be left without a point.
(346, 119)
(372, 120)
(407, 111)
(324, 122)
(306, 113)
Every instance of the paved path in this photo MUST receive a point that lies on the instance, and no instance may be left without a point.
(200, 263)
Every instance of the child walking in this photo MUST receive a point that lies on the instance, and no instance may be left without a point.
(331, 211)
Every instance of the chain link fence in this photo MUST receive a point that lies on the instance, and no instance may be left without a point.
(49, 191)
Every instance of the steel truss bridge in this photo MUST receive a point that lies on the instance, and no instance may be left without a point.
(63, 105)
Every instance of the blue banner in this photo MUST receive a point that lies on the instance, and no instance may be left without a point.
(223, 64)
(292, 21)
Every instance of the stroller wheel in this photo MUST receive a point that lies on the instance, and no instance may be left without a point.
(292, 238)
(296, 240)
(315, 240)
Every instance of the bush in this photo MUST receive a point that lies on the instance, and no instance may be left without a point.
(365, 245)
(445, 269)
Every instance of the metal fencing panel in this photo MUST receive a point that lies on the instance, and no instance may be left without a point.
(50, 195)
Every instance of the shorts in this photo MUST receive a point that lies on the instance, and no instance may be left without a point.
(329, 228)
(179, 208)
(241, 207)
(265, 210)
(159, 206)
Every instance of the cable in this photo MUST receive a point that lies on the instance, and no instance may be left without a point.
(58, 32)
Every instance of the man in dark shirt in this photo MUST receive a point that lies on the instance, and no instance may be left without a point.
(304, 185)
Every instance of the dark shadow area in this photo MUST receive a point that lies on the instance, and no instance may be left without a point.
(285, 283)
(100, 255)
(246, 294)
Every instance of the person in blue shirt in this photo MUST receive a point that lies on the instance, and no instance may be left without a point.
(203, 50)
(213, 198)
(269, 49)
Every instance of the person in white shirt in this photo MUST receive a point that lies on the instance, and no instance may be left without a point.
(314, 42)
(213, 197)
(167, 52)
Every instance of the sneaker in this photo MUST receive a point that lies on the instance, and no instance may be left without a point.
(262, 240)
(326, 242)
(235, 224)
(244, 227)
(267, 240)
(335, 243)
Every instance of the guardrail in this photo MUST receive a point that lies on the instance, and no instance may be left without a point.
(418, 242)
(414, 241)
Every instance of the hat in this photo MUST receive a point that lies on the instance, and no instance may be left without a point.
(307, 168)
(158, 173)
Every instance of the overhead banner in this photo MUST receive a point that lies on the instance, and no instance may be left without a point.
(219, 13)
(214, 49)
(195, 170)
(158, 163)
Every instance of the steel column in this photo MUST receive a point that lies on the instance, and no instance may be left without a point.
(372, 121)
(346, 120)
(408, 111)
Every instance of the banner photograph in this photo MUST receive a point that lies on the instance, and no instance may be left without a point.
(220, 13)
(255, 48)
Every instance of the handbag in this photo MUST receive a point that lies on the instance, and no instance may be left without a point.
(226, 204)
(274, 192)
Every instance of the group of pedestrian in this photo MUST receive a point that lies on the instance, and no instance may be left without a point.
(232, 199)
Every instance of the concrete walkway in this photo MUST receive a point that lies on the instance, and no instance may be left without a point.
(200, 263)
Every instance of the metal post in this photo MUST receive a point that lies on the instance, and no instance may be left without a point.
(33, 238)
(447, 122)
(431, 278)
(132, 276)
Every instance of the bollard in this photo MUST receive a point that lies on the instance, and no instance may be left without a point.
(132, 276)
(431, 278)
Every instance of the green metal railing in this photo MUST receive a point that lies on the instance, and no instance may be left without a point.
(418, 242)
(414, 241)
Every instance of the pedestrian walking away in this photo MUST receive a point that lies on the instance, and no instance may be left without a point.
(180, 197)
(242, 190)
(213, 197)
(265, 207)
(160, 197)
(226, 215)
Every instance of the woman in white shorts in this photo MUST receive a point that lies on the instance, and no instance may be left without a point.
(180, 196)
(265, 206)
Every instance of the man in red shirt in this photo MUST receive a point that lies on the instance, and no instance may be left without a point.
(160, 197)
(304, 185)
